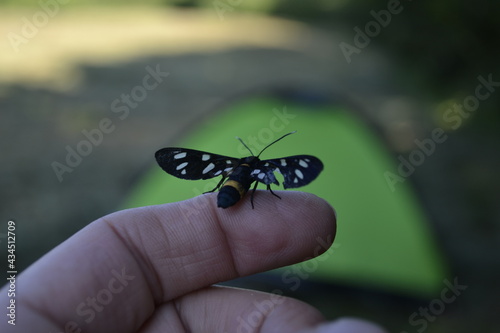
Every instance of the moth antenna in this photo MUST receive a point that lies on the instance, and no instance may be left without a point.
(245, 145)
(275, 142)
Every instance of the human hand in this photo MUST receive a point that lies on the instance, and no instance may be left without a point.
(151, 269)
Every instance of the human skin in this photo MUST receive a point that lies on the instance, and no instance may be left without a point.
(152, 269)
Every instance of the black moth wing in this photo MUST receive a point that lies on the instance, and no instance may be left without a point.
(264, 172)
(194, 164)
(297, 171)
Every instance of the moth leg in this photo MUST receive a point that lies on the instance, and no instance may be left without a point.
(218, 185)
(253, 191)
(269, 188)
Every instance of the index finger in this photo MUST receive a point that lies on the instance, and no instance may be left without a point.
(146, 256)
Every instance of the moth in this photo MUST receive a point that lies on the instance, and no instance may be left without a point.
(238, 174)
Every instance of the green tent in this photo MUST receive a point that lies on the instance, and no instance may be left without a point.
(384, 239)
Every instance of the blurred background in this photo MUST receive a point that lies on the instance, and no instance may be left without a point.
(399, 99)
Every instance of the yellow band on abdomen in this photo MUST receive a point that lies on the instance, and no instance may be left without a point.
(237, 186)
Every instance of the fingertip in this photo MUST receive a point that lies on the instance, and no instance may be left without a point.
(299, 221)
(272, 223)
(241, 240)
(314, 209)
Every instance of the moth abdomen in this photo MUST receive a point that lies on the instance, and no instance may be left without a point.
(235, 187)
(228, 196)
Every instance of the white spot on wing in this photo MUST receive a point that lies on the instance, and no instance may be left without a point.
(183, 172)
(261, 176)
(283, 162)
(229, 162)
(205, 157)
(299, 174)
(218, 173)
(303, 163)
(256, 171)
(181, 166)
(228, 169)
(295, 180)
(208, 168)
(180, 155)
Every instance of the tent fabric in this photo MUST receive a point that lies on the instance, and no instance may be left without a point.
(384, 239)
